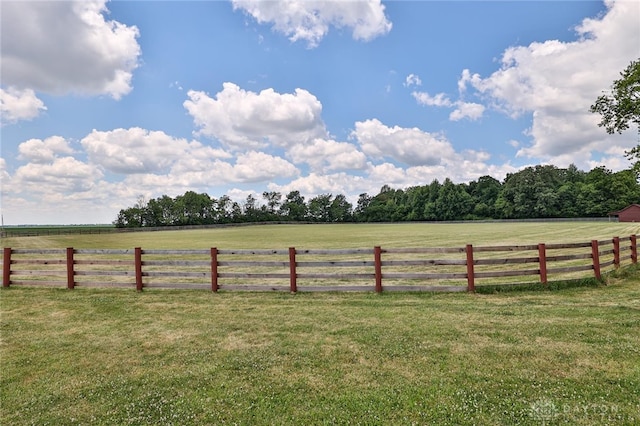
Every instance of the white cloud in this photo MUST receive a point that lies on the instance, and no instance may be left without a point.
(44, 151)
(136, 150)
(18, 105)
(258, 166)
(248, 168)
(412, 80)
(409, 145)
(439, 100)
(60, 47)
(328, 155)
(556, 82)
(315, 184)
(60, 176)
(245, 120)
(310, 20)
(468, 110)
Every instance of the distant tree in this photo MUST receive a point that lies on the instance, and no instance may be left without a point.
(340, 209)
(484, 194)
(453, 202)
(382, 207)
(430, 212)
(293, 207)
(250, 209)
(320, 208)
(359, 214)
(621, 107)
(417, 198)
(194, 209)
(273, 201)
(225, 210)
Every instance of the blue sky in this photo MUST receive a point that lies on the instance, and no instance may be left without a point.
(104, 103)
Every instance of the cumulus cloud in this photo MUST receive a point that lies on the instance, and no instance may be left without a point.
(66, 47)
(250, 167)
(310, 20)
(153, 159)
(411, 146)
(245, 120)
(44, 151)
(556, 82)
(328, 155)
(470, 110)
(61, 175)
(258, 166)
(314, 184)
(18, 105)
(136, 150)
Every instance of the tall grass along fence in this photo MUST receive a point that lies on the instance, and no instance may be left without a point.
(294, 270)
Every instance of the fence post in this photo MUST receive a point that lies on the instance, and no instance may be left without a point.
(293, 283)
(138, 263)
(214, 269)
(471, 283)
(616, 252)
(6, 267)
(542, 258)
(377, 256)
(595, 255)
(634, 249)
(70, 271)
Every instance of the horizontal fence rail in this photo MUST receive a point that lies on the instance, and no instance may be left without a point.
(294, 270)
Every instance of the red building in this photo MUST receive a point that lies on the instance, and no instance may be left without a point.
(628, 214)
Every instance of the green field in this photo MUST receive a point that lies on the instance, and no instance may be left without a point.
(116, 357)
(341, 236)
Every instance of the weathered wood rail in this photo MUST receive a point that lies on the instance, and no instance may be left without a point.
(294, 270)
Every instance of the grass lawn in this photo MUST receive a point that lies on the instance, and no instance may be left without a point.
(177, 357)
(117, 357)
(330, 236)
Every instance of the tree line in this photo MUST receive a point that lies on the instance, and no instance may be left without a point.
(532, 193)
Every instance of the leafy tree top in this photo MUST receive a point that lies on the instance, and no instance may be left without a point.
(622, 106)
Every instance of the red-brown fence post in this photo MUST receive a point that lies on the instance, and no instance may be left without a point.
(214, 269)
(595, 255)
(634, 249)
(138, 263)
(70, 271)
(293, 275)
(6, 267)
(542, 258)
(471, 282)
(377, 256)
(616, 252)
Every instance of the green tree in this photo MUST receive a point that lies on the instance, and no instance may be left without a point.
(273, 201)
(484, 193)
(294, 207)
(194, 208)
(360, 212)
(251, 209)
(320, 208)
(453, 202)
(621, 107)
(340, 209)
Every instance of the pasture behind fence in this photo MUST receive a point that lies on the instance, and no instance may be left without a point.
(294, 270)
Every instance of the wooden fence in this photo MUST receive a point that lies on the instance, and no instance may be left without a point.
(294, 270)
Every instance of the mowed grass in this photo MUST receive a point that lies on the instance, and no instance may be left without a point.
(97, 356)
(337, 236)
